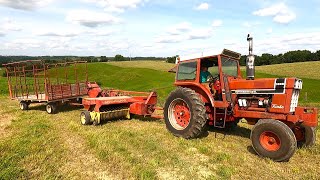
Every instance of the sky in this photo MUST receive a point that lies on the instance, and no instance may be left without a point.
(158, 28)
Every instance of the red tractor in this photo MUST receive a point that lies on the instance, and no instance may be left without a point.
(211, 91)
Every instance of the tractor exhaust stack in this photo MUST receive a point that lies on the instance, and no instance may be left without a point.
(250, 60)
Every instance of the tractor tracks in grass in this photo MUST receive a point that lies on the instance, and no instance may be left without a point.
(5, 123)
(81, 163)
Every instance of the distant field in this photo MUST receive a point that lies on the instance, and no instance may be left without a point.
(35, 145)
(156, 65)
(309, 70)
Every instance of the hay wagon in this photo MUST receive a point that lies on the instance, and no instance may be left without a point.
(35, 81)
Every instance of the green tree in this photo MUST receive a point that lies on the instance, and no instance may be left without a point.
(103, 59)
(119, 57)
(171, 59)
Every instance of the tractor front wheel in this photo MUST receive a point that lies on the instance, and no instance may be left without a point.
(273, 139)
(185, 114)
(305, 135)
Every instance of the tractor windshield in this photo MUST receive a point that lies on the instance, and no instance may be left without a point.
(229, 66)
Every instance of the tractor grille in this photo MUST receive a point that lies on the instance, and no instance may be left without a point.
(294, 100)
(295, 95)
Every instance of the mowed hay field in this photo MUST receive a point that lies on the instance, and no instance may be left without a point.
(309, 70)
(36, 145)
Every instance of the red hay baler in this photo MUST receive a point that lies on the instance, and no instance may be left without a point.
(115, 104)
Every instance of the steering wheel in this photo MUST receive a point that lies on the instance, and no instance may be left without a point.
(211, 79)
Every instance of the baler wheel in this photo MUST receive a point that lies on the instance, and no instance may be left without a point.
(309, 136)
(24, 106)
(51, 108)
(273, 139)
(184, 113)
(85, 118)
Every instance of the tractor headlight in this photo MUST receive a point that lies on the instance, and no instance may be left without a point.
(298, 84)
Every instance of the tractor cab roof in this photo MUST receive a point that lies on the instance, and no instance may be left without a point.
(225, 52)
(205, 55)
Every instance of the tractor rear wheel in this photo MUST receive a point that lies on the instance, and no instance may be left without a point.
(184, 113)
(273, 139)
(24, 106)
(306, 136)
(85, 118)
(51, 108)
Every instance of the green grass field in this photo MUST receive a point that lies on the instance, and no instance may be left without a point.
(36, 145)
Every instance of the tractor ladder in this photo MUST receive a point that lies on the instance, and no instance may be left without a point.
(222, 111)
(219, 112)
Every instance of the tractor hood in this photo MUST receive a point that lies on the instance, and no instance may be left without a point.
(264, 86)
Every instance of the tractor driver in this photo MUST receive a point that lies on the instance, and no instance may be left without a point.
(204, 74)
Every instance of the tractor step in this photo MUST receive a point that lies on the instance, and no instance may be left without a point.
(221, 123)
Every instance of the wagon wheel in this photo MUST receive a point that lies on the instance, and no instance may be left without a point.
(24, 105)
(51, 108)
(273, 139)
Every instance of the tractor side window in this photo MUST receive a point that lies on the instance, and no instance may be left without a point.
(187, 71)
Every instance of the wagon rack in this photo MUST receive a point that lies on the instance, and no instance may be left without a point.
(34, 81)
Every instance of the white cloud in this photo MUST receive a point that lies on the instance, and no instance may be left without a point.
(291, 41)
(10, 25)
(100, 32)
(202, 6)
(217, 23)
(91, 18)
(280, 13)
(284, 18)
(179, 28)
(170, 39)
(269, 31)
(182, 32)
(23, 44)
(117, 5)
(200, 34)
(58, 34)
(25, 4)
(57, 31)
(250, 25)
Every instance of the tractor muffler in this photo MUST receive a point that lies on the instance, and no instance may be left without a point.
(250, 60)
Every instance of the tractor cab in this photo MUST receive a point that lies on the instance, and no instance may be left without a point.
(208, 73)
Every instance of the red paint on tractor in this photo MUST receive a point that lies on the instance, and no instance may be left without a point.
(270, 141)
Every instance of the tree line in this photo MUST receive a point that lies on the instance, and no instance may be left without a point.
(264, 59)
(89, 59)
(268, 59)
(288, 57)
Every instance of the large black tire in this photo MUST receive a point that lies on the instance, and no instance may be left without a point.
(24, 105)
(85, 118)
(309, 136)
(273, 139)
(193, 113)
(51, 108)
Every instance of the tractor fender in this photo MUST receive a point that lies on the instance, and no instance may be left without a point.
(204, 93)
